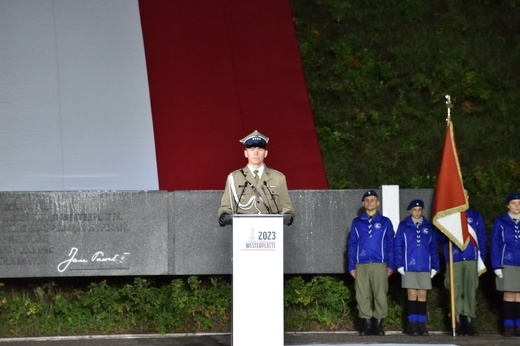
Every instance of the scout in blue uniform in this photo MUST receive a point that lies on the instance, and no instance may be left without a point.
(417, 260)
(371, 262)
(466, 272)
(505, 261)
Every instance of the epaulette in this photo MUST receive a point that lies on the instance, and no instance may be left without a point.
(272, 170)
(239, 173)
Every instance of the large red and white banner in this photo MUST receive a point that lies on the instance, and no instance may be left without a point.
(74, 100)
(146, 95)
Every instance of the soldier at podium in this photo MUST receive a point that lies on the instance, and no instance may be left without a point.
(256, 188)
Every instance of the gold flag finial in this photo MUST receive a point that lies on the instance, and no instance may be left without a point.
(449, 105)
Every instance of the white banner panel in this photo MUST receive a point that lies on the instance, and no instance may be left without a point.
(74, 100)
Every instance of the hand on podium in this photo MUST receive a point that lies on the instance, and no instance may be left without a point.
(287, 219)
(225, 219)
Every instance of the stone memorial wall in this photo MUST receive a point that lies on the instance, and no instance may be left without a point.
(130, 233)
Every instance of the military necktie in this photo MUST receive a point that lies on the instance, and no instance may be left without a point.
(257, 179)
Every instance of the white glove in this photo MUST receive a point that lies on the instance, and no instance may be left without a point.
(498, 272)
(401, 270)
(434, 272)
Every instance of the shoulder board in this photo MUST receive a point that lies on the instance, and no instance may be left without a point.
(271, 170)
(239, 172)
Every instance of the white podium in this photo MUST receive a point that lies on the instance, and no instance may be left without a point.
(258, 306)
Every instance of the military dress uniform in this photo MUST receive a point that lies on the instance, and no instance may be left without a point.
(255, 191)
(243, 195)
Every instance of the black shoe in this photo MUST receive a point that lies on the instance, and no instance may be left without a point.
(469, 329)
(378, 330)
(421, 329)
(367, 327)
(412, 329)
(509, 331)
(458, 329)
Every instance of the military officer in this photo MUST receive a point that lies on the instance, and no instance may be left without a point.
(256, 188)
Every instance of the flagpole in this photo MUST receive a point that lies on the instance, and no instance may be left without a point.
(450, 247)
(452, 291)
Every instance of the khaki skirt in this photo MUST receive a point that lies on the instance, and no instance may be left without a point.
(416, 280)
(511, 280)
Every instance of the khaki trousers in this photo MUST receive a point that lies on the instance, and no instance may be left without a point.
(371, 290)
(465, 279)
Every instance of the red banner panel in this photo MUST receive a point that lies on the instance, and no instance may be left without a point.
(217, 71)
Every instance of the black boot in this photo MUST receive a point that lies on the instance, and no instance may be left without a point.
(469, 328)
(509, 318)
(378, 330)
(412, 329)
(517, 316)
(509, 331)
(421, 329)
(459, 328)
(412, 315)
(367, 327)
(422, 315)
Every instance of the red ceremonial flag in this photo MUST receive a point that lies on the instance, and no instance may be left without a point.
(450, 202)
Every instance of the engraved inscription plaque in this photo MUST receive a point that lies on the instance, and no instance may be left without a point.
(92, 233)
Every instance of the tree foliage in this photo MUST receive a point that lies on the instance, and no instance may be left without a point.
(378, 72)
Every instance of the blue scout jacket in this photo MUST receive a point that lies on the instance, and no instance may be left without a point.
(505, 242)
(415, 247)
(374, 244)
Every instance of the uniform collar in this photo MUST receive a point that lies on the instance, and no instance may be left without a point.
(366, 217)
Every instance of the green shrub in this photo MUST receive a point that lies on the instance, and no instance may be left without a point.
(323, 301)
(194, 304)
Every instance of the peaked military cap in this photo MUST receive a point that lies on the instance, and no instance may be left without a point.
(512, 196)
(415, 203)
(255, 140)
(368, 193)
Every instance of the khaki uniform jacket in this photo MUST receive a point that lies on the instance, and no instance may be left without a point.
(256, 198)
